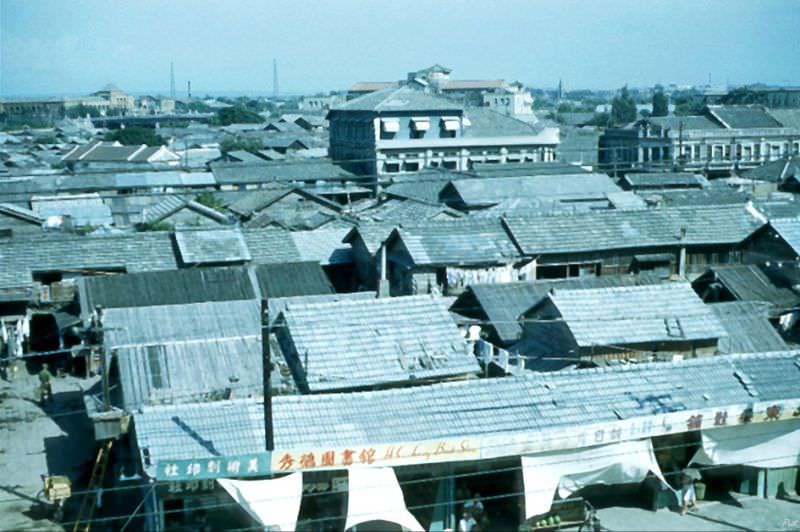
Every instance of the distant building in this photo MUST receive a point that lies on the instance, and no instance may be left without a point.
(318, 104)
(723, 139)
(406, 129)
(155, 105)
(113, 155)
(118, 99)
(499, 95)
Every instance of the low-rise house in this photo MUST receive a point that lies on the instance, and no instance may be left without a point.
(784, 173)
(444, 257)
(596, 325)
(497, 307)
(178, 211)
(73, 210)
(748, 328)
(243, 176)
(662, 181)
(367, 344)
(291, 208)
(776, 249)
(604, 242)
(18, 219)
(558, 192)
(747, 283)
(104, 155)
(663, 418)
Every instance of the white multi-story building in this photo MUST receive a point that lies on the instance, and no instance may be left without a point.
(407, 129)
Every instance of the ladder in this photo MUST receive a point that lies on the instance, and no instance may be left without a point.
(88, 504)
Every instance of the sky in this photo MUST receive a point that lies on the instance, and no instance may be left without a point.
(71, 47)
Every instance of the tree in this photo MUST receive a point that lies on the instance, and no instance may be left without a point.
(133, 136)
(80, 111)
(623, 108)
(660, 105)
(744, 96)
(238, 115)
(210, 200)
(229, 144)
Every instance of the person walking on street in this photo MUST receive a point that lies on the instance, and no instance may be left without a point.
(45, 384)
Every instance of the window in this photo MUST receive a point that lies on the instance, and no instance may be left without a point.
(411, 166)
(391, 167)
(449, 126)
(418, 127)
(748, 153)
(389, 128)
(157, 363)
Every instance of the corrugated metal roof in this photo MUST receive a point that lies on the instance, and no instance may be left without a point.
(473, 408)
(182, 353)
(356, 343)
(749, 330)
(666, 312)
(212, 246)
(612, 229)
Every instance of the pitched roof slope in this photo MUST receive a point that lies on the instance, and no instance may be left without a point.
(401, 99)
(615, 229)
(749, 330)
(666, 312)
(356, 343)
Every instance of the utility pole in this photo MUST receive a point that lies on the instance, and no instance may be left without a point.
(189, 90)
(172, 80)
(266, 360)
(275, 90)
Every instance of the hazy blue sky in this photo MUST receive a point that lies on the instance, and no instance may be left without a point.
(76, 46)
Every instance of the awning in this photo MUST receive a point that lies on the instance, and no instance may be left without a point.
(774, 444)
(390, 125)
(569, 471)
(421, 124)
(375, 495)
(272, 503)
(450, 124)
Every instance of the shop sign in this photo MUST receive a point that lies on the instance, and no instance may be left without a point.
(246, 465)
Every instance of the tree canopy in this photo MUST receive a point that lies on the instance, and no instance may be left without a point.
(238, 115)
(623, 108)
(229, 144)
(660, 105)
(132, 136)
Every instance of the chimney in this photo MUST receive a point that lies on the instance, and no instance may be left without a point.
(682, 253)
(383, 283)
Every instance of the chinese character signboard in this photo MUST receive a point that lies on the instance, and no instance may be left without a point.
(248, 465)
(377, 455)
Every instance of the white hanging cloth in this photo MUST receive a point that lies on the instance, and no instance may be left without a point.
(375, 495)
(774, 444)
(272, 502)
(569, 471)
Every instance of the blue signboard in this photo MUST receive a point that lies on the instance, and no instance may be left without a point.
(245, 465)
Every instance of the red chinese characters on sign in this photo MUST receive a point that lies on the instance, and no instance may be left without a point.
(347, 457)
(721, 418)
(773, 412)
(328, 458)
(286, 462)
(367, 456)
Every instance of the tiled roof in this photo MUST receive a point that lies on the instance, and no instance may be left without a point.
(605, 230)
(503, 303)
(687, 123)
(789, 231)
(776, 171)
(473, 408)
(524, 169)
(270, 245)
(748, 283)
(212, 246)
(258, 199)
(351, 344)
(323, 245)
(182, 353)
(666, 312)
(664, 180)
(484, 122)
(399, 99)
(747, 326)
(174, 203)
(19, 257)
(397, 210)
(285, 171)
(787, 117)
(292, 279)
(483, 192)
(743, 117)
(462, 241)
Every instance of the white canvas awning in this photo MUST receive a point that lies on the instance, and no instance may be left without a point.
(375, 495)
(421, 123)
(274, 503)
(569, 471)
(774, 444)
(390, 125)
(450, 124)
